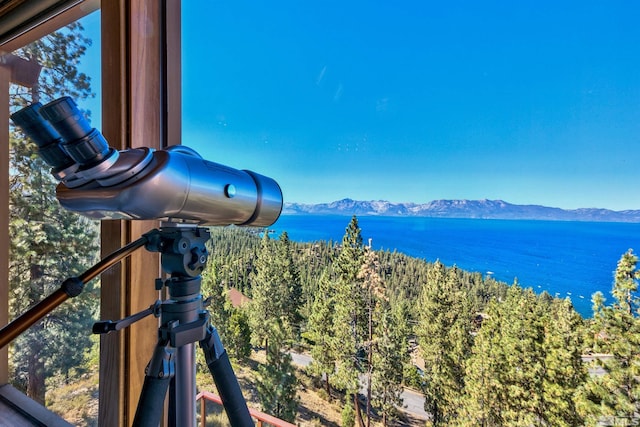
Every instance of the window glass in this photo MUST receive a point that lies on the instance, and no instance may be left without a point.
(55, 362)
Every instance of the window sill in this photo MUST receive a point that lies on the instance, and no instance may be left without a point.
(18, 410)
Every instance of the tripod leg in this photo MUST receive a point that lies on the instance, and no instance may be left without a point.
(182, 392)
(160, 370)
(225, 379)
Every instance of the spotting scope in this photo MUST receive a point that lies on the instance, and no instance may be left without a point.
(174, 184)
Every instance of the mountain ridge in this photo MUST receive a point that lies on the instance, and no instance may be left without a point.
(460, 208)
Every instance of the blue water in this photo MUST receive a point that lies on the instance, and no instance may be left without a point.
(567, 259)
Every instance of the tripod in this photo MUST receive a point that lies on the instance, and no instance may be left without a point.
(183, 322)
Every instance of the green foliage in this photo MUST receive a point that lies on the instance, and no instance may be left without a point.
(349, 319)
(275, 319)
(348, 414)
(59, 53)
(390, 357)
(386, 343)
(276, 292)
(444, 336)
(234, 252)
(564, 371)
(525, 366)
(48, 244)
(320, 331)
(412, 377)
(277, 383)
(615, 395)
(626, 284)
(219, 309)
(351, 255)
(290, 278)
(238, 338)
(232, 323)
(267, 298)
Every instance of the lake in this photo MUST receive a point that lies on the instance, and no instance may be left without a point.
(567, 259)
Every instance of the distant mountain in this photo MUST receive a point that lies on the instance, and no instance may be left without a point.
(485, 209)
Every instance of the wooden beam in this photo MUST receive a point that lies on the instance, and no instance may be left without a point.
(173, 72)
(146, 130)
(135, 110)
(113, 375)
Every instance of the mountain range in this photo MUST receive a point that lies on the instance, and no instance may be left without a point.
(481, 209)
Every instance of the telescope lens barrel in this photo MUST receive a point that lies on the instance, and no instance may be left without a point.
(44, 135)
(85, 144)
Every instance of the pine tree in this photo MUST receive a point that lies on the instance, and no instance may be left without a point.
(484, 391)
(276, 293)
(374, 297)
(390, 356)
(444, 336)
(615, 396)
(564, 371)
(267, 299)
(216, 293)
(232, 323)
(349, 318)
(238, 338)
(525, 365)
(500, 388)
(292, 287)
(525, 332)
(48, 244)
(277, 382)
(320, 332)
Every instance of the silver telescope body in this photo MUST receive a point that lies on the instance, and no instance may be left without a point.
(174, 184)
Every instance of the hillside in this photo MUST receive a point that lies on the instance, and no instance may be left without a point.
(482, 209)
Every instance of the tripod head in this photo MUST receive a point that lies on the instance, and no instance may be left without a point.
(183, 251)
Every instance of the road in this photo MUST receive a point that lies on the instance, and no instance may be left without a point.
(413, 402)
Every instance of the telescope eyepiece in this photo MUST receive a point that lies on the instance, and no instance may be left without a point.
(84, 144)
(43, 135)
(64, 115)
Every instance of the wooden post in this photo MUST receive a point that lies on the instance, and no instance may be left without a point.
(114, 388)
(135, 105)
(203, 412)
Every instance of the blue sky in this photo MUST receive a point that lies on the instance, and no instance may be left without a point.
(529, 102)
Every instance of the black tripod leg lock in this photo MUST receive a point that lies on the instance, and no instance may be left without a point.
(159, 372)
(212, 345)
(181, 334)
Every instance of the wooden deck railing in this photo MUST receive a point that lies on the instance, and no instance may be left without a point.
(260, 417)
